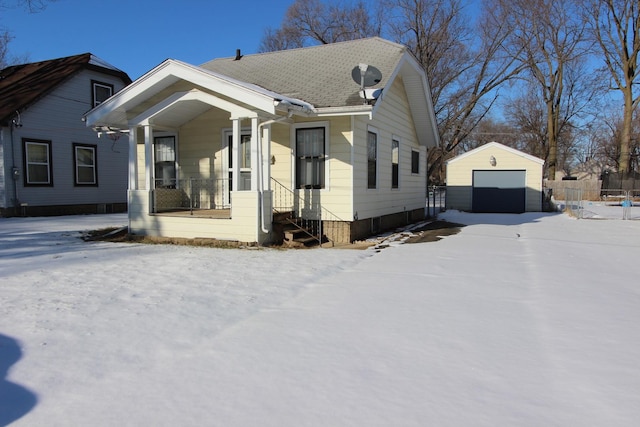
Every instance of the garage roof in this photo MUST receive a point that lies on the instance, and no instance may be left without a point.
(496, 145)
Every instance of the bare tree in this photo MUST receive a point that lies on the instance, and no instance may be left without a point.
(465, 62)
(528, 114)
(548, 39)
(5, 38)
(312, 21)
(491, 130)
(607, 141)
(615, 26)
(32, 6)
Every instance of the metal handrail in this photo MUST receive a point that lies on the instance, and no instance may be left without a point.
(190, 194)
(287, 200)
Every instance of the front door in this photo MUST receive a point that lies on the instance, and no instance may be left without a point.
(244, 163)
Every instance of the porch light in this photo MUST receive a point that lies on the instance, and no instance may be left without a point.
(492, 161)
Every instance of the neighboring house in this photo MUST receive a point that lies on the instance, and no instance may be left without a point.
(495, 178)
(50, 163)
(241, 147)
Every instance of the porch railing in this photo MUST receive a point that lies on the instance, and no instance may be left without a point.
(309, 215)
(190, 194)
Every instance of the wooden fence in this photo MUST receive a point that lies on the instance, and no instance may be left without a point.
(591, 189)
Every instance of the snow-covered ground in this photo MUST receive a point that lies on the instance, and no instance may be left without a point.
(518, 320)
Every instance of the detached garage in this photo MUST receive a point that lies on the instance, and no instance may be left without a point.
(495, 178)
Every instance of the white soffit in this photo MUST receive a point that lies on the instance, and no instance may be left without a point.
(181, 107)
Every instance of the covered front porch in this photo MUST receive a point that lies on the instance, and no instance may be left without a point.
(199, 167)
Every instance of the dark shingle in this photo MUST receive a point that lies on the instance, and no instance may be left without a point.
(23, 85)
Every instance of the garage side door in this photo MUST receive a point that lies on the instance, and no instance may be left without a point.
(501, 191)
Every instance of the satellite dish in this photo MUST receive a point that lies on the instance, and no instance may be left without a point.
(366, 75)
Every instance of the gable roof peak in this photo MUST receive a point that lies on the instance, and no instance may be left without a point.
(24, 84)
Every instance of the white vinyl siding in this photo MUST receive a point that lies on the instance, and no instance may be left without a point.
(391, 121)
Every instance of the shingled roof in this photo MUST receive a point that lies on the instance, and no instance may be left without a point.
(23, 85)
(319, 75)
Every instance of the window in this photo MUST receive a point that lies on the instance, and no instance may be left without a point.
(244, 151)
(415, 161)
(100, 92)
(372, 159)
(244, 162)
(310, 157)
(164, 150)
(37, 162)
(85, 164)
(395, 171)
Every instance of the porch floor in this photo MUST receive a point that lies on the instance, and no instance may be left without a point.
(198, 213)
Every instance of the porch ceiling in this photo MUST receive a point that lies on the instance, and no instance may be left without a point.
(182, 107)
(179, 113)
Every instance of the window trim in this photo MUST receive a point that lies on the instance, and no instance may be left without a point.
(396, 174)
(25, 143)
(160, 135)
(415, 172)
(373, 131)
(327, 145)
(93, 148)
(96, 83)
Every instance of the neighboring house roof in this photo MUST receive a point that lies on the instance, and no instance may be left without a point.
(23, 85)
(320, 75)
(496, 145)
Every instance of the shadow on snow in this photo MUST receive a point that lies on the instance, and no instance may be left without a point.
(15, 400)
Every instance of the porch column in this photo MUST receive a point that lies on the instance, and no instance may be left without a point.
(254, 154)
(148, 157)
(266, 158)
(133, 158)
(235, 160)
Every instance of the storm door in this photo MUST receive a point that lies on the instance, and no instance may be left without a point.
(244, 164)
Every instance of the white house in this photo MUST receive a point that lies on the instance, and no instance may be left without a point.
(50, 163)
(331, 139)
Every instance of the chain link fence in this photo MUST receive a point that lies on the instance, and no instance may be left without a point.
(436, 200)
(612, 204)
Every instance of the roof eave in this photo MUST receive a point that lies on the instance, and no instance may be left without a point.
(171, 71)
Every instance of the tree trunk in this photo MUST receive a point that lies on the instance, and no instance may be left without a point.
(625, 137)
(552, 158)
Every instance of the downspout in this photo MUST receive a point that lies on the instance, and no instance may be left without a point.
(260, 167)
(15, 172)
